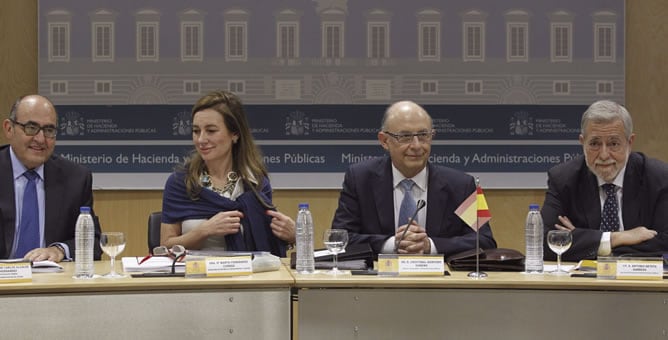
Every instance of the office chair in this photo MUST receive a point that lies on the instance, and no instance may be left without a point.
(154, 230)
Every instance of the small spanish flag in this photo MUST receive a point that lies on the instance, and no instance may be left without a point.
(474, 211)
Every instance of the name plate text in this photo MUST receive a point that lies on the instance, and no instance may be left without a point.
(410, 265)
(19, 271)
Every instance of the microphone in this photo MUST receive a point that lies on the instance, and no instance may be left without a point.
(420, 204)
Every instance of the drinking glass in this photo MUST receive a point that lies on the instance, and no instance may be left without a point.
(112, 243)
(335, 240)
(559, 241)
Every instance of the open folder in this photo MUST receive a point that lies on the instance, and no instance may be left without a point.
(356, 257)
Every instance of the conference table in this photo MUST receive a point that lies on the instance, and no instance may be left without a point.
(56, 306)
(505, 305)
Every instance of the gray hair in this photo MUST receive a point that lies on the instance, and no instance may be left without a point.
(15, 108)
(607, 111)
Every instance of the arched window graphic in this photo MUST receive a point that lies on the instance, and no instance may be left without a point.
(517, 36)
(103, 44)
(148, 35)
(192, 32)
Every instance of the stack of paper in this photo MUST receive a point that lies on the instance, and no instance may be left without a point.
(153, 264)
(343, 265)
(323, 260)
(46, 267)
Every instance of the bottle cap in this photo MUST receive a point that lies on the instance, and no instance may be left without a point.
(84, 209)
(303, 205)
(534, 206)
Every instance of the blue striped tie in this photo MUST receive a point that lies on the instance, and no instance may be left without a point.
(29, 226)
(407, 208)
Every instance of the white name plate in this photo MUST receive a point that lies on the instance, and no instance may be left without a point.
(219, 266)
(15, 272)
(410, 265)
(629, 268)
(640, 269)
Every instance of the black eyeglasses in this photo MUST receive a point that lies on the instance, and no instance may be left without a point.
(32, 129)
(407, 138)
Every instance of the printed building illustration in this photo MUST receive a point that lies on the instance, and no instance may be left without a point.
(332, 51)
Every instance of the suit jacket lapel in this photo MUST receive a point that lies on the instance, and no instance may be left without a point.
(589, 192)
(633, 186)
(53, 187)
(7, 201)
(437, 197)
(384, 196)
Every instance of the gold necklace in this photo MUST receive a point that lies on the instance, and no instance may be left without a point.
(232, 179)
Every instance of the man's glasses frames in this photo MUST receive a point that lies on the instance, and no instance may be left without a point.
(407, 138)
(32, 129)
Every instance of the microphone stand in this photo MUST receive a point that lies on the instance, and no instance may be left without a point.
(477, 274)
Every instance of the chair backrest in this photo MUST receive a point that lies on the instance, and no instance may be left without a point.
(154, 230)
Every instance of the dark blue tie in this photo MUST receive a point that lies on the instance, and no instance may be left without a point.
(29, 225)
(610, 215)
(407, 208)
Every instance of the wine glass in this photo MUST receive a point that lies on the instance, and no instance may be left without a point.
(335, 240)
(112, 244)
(559, 241)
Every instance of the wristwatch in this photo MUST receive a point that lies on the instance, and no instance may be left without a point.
(59, 247)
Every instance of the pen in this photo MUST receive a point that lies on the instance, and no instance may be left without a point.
(145, 258)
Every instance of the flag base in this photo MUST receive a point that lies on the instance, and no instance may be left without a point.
(477, 275)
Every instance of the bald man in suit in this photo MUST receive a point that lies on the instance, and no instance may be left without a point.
(370, 201)
(62, 187)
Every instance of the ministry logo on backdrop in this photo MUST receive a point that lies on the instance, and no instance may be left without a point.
(297, 124)
(72, 124)
(181, 125)
(521, 124)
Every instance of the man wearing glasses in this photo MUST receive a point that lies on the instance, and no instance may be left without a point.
(41, 193)
(380, 195)
(613, 200)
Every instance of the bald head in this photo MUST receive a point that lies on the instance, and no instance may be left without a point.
(31, 102)
(406, 133)
(24, 129)
(403, 110)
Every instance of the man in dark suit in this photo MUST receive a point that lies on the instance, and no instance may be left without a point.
(60, 186)
(373, 193)
(613, 200)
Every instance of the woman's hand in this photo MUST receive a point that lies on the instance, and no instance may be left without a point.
(282, 226)
(223, 223)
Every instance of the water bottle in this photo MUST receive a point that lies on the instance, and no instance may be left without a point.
(533, 236)
(84, 236)
(305, 261)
